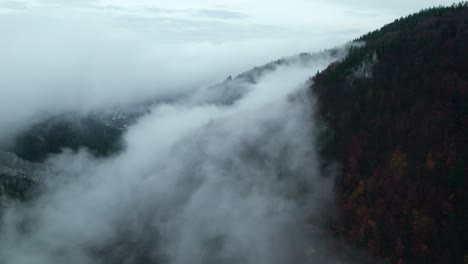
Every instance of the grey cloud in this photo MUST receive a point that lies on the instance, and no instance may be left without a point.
(394, 8)
(207, 13)
(17, 5)
(158, 10)
(219, 13)
(181, 30)
(354, 13)
(71, 3)
(109, 7)
(186, 29)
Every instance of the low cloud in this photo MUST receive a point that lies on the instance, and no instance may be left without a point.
(52, 65)
(196, 183)
(219, 13)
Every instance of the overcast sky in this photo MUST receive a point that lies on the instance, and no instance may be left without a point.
(227, 20)
(232, 35)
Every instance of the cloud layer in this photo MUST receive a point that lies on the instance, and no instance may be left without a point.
(196, 183)
(51, 66)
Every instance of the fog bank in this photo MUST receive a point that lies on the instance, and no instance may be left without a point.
(197, 182)
(52, 65)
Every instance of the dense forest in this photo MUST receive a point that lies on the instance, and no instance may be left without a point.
(394, 113)
(54, 134)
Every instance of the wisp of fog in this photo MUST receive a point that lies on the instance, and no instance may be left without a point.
(198, 181)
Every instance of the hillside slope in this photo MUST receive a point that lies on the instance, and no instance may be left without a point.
(394, 113)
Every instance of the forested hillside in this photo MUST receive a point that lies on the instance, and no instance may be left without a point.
(394, 114)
